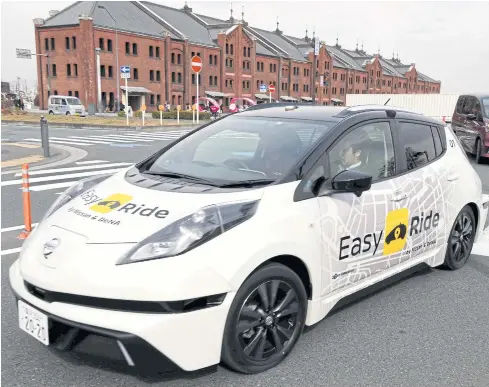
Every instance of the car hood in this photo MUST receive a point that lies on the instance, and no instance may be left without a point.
(116, 211)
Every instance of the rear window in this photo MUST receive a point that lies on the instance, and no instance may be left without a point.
(418, 144)
(437, 139)
(485, 104)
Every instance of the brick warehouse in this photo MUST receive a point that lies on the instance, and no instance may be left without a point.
(158, 42)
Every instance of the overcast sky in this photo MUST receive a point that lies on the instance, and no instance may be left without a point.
(448, 41)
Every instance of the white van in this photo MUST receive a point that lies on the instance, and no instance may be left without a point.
(66, 105)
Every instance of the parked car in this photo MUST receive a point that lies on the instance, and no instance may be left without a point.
(224, 244)
(66, 105)
(470, 122)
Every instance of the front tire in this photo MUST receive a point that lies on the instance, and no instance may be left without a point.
(68, 113)
(461, 239)
(265, 320)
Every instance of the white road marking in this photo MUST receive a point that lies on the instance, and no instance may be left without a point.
(13, 228)
(58, 142)
(111, 138)
(129, 138)
(46, 187)
(77, 138)
(90, 162)
(10, 251)
(60, 177)
(70, 169)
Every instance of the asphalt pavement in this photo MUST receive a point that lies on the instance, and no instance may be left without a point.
(429, 329)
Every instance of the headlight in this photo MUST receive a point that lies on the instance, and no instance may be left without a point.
(189, 232)
(72, 192)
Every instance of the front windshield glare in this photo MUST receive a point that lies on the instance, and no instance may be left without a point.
(239, 149)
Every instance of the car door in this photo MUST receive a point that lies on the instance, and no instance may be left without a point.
(354, 227)
(458, 118)
(426, 180)
(466, 135)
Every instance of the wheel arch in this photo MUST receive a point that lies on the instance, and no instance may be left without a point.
(476, 211)
(295, 264)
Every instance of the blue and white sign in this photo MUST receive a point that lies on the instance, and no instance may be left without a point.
(126, 72)
(263, 88)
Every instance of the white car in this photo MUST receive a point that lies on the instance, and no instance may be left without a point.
(226, 243)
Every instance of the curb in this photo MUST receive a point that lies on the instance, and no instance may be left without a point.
(103, 127)
(68, 155)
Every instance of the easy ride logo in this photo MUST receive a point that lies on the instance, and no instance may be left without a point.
(110, 203)
(396, 233)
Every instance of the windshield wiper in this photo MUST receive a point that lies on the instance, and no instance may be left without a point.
(183, 176)
(248, 183)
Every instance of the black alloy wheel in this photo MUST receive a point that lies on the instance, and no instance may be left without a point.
(461, 239)
(265, 320)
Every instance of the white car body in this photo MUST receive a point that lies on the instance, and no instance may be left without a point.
(320, 232)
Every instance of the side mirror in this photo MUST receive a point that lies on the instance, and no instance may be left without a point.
(351, 181)
(471, 117)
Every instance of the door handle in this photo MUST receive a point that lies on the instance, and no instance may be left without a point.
(453, 177)
(399, 197)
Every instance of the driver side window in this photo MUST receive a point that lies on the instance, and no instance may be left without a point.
(368, 148)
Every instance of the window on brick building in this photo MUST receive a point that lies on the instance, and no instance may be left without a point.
(73, 42)
(111, 71)
(102, 71)
(388, 83)
(383, 82)
(157, 52)
(334, 90)
(68, 70)
(128, 48)
(152, 99)
(158, 76)
(76, 94)
(52, 44)
(274, 68)
(158, 99)
(179, 76)
(46, 44)
(134, 49)
(350, 80)
(378, 73)
(244, 51)
(227, 48)
(67, 43)
(151, 51)
(174, 77)
(75, 66)
(55, 92)
(54, 71)
(215, 80)
(101, 43)
(194, 81)
(151, 75)
(109, 45)
(136, 74)
(357, 79)
(215, 60)
(104, 98)
(372, 73)
(231, 49)
(173, 58)
(179, 59)
(343, 77)
(173, 99)
(211, 80)
(70, 93)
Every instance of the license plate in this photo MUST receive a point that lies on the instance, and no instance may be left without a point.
(34, 322)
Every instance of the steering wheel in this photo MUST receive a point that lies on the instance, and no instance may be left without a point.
(233, 163)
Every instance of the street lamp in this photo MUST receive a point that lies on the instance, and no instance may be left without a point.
(116, 56)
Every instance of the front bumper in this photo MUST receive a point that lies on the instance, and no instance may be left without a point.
(160, 341)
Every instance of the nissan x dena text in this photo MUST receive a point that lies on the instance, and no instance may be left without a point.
(223, 245)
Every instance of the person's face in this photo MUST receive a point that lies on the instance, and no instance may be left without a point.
(349, 157)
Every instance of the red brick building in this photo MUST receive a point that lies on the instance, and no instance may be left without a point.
(158, 43)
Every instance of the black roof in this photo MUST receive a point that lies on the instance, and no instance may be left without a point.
(308, 111)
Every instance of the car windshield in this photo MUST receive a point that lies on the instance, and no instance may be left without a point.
(485, 103)
(73, 101)
(241, 149)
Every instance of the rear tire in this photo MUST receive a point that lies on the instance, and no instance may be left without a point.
(68, 113)
(51, 112)
(461, 239)
(265, 320)
(478, 151)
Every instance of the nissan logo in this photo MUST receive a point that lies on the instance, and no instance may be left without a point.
(50, 246)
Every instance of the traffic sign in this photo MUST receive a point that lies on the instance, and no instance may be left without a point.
(263, 88)
(143, 107)
(126, 72)
(321, 80)
(316, 47)
(196, 64)
(179, 107)
(271, 88)
(161, 108)
(24, 53)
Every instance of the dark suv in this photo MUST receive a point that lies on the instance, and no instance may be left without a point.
(470, 122)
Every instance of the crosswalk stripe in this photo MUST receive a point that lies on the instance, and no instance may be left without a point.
(13, 228)
(60, 177)
(159, 138)
(131, 139)
(90, 162)
(111, 138)
(46, 187)
(82, 139)
(71, 169)
(58, 142)
(10, 251)
(160, 134)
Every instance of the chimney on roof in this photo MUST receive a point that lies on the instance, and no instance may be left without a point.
(186, 8)
(53, 12)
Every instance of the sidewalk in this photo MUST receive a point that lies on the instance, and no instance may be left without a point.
(14, 154)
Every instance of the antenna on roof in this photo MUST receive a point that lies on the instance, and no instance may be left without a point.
(336, 38)
(231, 19)
(362, 47)
(242, 12)
(356, 49)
